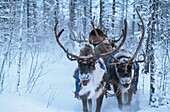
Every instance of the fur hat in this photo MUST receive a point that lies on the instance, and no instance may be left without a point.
(93, 39)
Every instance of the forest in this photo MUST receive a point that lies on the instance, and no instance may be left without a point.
(28, 46)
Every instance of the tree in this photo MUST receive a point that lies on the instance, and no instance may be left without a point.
(113, 17)
(31, 22)
(163, 55)
(20, 47)
(72, 16)
(101, 17)
(153, 33)
(87, 16)
(7, 20)
(56, 9)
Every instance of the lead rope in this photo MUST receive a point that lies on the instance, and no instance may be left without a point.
(107, 94)
(115, 94)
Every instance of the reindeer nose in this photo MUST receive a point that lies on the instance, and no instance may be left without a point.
(126, 80)
(85, 72)
(84, 76)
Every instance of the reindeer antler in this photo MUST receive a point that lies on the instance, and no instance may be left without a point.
(144, 58)
(117, 40)
(75, 38)
(73, 57)
(141, 39)
(124, 33)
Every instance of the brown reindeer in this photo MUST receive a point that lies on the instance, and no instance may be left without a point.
(122, 72)
(91, 74)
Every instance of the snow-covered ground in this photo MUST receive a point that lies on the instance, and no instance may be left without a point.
(15, 103)
(55, 91)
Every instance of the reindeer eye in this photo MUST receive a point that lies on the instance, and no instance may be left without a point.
(91, 64)
(79, 64)
(129, 68)
(119, 70)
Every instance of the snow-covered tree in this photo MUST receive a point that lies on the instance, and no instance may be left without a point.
(7, 18)
(153, 32)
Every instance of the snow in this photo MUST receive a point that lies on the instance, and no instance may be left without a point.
(56, 92)
(14, 103)
(53, 91)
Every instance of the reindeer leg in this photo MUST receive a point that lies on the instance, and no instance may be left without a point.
(130, 93)
(90, 105)
(125, 95)
(119, 98)
(99, 102)
(84, 102)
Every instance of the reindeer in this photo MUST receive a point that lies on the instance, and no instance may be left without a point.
(122, 71)
(91, 74)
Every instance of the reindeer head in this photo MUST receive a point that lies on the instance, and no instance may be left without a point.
(86, 64)
(125, 74)
(86, 60)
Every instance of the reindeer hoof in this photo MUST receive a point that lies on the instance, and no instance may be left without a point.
(135, 91)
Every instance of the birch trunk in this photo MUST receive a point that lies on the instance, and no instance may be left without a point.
(20, 47)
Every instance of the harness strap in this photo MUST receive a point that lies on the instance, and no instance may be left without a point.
(100, 86)
(120, 57)
(102, 82)
(101, 65)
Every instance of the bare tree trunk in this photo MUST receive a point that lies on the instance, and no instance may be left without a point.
(165, 72)
(133, 22)
(85, 2)
(104, 18)
(101, 14)
(6, 27)
(72, 13)
(165, 51)
(2, 74)
(20, 47)
(113, 18)
(153, 85)
(90, 10)
(122, 13)
(56, 9)
(126, 9)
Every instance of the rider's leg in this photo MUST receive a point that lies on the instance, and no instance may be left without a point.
(137, 77)
(77, 82)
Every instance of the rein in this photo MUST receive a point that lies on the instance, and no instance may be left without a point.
(111, 95)
(108, 94)
(113, 81)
